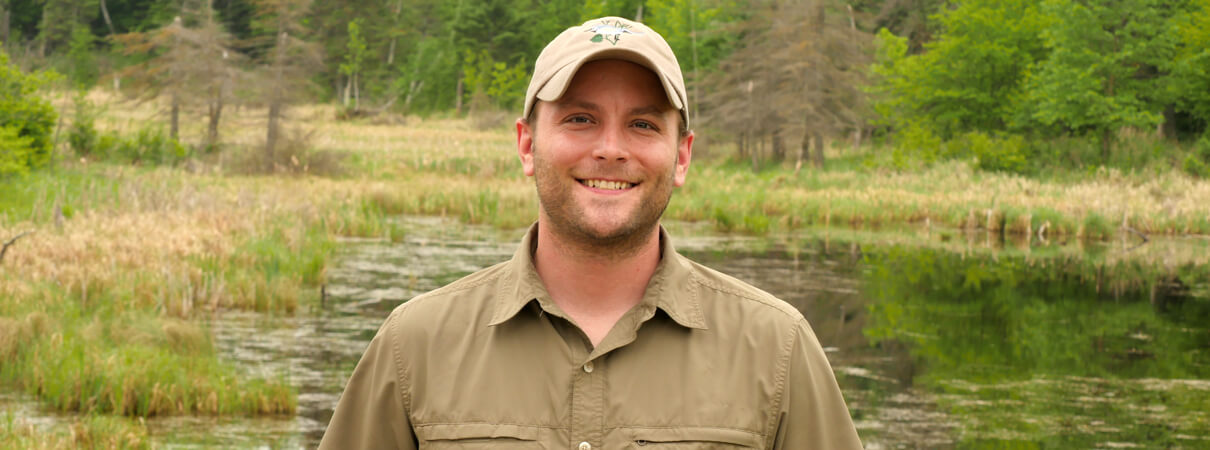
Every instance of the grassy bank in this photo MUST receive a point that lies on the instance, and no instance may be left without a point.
(104, 299)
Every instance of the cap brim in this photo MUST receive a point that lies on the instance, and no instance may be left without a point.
(557, 85)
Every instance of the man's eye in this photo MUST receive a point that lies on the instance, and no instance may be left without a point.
(579, 119)
(645, 125)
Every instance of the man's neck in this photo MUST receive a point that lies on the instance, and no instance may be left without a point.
(595, 290)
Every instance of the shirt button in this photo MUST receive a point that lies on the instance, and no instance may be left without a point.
(587, 369)
(585, 446)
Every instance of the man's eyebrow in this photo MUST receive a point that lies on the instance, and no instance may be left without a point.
(580, 104)
(637, 111)
(647, 110)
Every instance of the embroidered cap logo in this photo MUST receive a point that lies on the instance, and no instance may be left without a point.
(610, 32)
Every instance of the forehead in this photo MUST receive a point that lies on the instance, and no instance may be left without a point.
(616, 80)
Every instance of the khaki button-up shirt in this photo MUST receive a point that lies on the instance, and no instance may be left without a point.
(489, 361)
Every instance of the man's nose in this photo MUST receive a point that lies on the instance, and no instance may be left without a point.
(612, 145)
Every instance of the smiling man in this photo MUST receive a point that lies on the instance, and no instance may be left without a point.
(597, 334)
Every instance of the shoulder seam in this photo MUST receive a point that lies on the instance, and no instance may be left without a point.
(744, 295)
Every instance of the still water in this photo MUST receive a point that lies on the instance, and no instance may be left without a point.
(938, 340)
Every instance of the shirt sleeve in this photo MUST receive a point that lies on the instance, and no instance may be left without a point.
(371, 413)
(813, 413)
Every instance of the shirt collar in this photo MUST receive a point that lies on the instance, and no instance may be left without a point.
(669, 290)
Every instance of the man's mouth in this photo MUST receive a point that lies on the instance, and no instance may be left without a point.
(608, 185)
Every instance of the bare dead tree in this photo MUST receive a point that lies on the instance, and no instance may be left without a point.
(797, 71)
(290, 62)
(195, 64)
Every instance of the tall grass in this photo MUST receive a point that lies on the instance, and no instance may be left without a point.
(90, 431)
(103, 304)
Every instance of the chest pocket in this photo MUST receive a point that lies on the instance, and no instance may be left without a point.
(692, 438)
(472, 436)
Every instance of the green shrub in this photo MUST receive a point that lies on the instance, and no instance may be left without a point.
(150, 147)
(992, 153)
(82, 136)
(14, 151)
(1197, 163)
(917, 143)
(32, 117)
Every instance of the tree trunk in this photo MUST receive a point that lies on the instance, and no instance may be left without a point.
(4, 25)
(175, 120)
(394, 36)
(458, 97)
(818, 158)
(344, 96)
(356, 94)
(413, 89)
(1168, 127)
(272, 135)
(105, 14)
(779, 146)
(215, 114)
(276, 101)
(804, 149)
(1106, 134)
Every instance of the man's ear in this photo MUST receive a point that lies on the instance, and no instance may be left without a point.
(684, 153)
(525, 146)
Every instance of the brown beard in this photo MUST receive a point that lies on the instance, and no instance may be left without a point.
(555, 198)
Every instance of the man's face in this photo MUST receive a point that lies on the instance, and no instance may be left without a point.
(605, 156)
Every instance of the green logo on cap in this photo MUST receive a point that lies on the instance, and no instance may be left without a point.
(610, 32)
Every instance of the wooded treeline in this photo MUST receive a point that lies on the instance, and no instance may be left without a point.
(1010, 83)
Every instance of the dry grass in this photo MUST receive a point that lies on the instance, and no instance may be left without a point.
(96, 432)
(148, 250)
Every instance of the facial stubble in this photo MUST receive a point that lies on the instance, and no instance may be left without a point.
(570, 222)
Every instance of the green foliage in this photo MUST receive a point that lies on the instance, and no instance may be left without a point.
(916, 143)
(1007, 154)
(14, 151)
(149, 146)
(355, 50)
(500, 82)
(427, 81)
(681, 21)
(82, 135)
(970, 78)
(1190, 66)
(1088, 84)
(23, 110)
(1197, 163)
(82, 65)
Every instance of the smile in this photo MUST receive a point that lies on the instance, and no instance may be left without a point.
(607, 184)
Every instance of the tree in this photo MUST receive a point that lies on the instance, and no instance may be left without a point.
(26, 120)
(351, 68)
(1190, 67)
(796, 70)
(696, 31)
(1101, 71)
(59, 18)
(290, 61)
(972, 78)
(189, 65)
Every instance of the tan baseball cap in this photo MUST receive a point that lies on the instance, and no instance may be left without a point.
(605, 38)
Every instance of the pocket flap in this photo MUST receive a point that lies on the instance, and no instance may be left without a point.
(697, 434)
(456, 431)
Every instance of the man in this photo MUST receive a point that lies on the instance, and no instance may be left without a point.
(597, 334)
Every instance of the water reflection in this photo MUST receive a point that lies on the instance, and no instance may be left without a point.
(955, 343)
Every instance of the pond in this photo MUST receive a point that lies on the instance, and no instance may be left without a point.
(938, 339)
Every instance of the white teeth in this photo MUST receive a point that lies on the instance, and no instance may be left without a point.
(607, 185)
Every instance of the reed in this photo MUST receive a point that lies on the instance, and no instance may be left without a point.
(89, 431)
